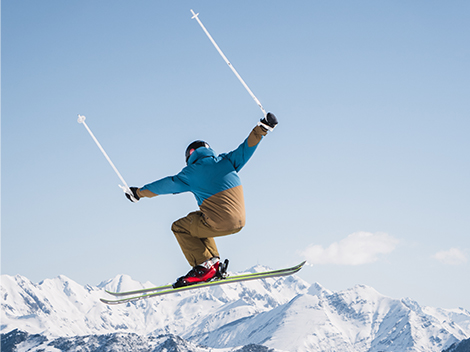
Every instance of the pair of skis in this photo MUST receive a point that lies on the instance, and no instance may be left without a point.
(145, 293)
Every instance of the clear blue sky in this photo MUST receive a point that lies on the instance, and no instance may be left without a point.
(366, 176)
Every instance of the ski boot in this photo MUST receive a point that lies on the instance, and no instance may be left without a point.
(222, 272)
(207, 271)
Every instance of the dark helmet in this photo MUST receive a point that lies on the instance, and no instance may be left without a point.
(193, 146)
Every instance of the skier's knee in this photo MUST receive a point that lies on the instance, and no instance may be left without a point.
(177, 228)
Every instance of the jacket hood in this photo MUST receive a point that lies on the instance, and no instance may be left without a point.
(200, 153)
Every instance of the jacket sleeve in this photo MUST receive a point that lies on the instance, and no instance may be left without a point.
(240, 156)
(167, 185)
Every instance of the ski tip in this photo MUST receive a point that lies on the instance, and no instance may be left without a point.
(298, 267)
(301, 265)
(111, 302)
(106, 301)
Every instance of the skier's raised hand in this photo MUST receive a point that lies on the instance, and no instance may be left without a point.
(134, 194)
(268, 122)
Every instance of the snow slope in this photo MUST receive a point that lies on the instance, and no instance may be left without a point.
(285, 314)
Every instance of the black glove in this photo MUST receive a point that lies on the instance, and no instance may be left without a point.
(268, 122)
(134, 194)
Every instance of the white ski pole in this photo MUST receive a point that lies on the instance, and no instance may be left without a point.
(195, 15)
(125, 188)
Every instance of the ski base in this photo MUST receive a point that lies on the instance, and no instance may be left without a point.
(138, 295)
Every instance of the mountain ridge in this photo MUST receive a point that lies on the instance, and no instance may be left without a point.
(285, 314)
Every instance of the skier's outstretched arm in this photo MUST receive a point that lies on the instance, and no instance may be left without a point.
(167, 185)
(240, 156)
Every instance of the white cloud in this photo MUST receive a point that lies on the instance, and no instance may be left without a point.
(356, 249)
(453, 256)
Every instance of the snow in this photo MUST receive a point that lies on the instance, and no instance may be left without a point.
(285, 313)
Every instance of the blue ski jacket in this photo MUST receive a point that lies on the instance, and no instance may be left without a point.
(214, 181)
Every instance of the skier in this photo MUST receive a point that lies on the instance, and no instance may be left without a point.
(215, 183)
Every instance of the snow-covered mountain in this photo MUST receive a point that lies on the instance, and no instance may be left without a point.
(282, 314)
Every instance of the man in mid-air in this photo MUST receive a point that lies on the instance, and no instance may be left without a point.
(215, 183)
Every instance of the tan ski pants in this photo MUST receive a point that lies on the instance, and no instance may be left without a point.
(196, 238)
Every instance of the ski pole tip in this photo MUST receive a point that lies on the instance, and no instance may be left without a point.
(81, 118)
(194, 14)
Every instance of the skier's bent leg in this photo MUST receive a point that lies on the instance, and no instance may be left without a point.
(196, 238)
(196, 250)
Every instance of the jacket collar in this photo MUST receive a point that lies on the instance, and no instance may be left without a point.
(200, 153)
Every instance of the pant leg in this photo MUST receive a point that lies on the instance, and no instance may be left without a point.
(196, 238)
